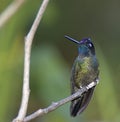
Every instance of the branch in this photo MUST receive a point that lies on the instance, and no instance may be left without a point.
(28, 44)
(55, 105)
(9, 11)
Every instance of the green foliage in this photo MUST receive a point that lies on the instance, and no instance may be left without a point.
(106, 97)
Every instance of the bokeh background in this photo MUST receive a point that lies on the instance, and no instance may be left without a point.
(53, 55)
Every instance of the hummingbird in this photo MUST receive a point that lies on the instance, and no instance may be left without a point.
(84, 71)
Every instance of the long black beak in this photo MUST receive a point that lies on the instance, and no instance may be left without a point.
(71, 39)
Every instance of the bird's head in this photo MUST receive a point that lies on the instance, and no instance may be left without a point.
(85, 46)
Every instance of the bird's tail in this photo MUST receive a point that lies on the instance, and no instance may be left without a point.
(78, 105)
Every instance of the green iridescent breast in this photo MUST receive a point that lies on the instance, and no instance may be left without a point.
(83, 71)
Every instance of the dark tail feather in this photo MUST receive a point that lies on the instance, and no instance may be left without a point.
(79, 105)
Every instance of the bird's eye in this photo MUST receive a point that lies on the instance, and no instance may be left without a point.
(89, 45)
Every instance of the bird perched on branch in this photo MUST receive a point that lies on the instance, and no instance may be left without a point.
(84, 71)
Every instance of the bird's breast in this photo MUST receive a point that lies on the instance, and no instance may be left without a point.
(84, 72)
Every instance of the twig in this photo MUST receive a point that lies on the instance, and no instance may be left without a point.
(55, 105)
(9, 11)
(28, 44)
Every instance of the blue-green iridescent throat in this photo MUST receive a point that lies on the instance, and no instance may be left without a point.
(83, 50)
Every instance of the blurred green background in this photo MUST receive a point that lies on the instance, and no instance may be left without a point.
(53, 55)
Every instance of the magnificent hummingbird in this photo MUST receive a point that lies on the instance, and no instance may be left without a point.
(84, 71)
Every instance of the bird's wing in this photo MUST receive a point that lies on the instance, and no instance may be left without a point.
(76, 69)
(78, 105)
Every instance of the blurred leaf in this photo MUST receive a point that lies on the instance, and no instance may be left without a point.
(9, 63)
(106, 92)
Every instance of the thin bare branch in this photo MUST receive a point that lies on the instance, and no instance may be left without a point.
(9, 11)
(55, 105)
(28, 44)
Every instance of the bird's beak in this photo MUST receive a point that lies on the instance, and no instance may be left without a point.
(71, 39)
